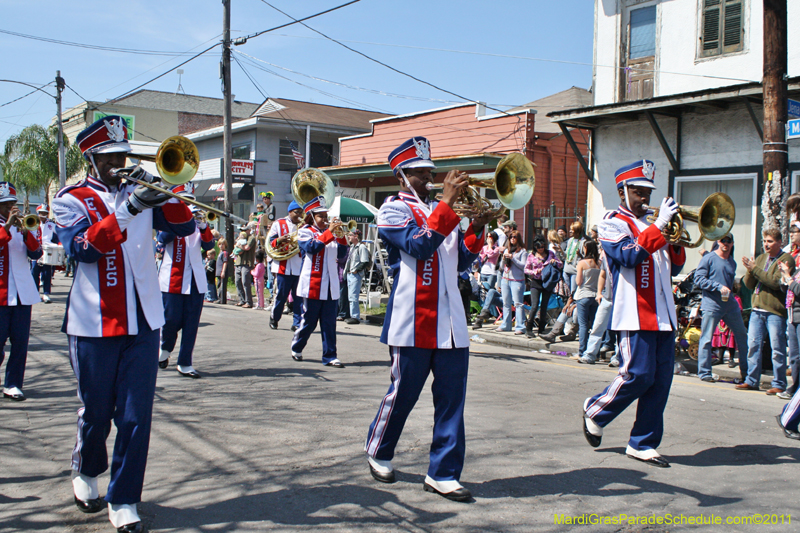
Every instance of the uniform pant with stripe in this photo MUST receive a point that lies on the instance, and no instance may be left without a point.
(324, 312)
(15, 324)
(286, 285)
(790, 416)
(42, 274)
(181, 313)
(410, 369)
(647, 360)
(116, 381)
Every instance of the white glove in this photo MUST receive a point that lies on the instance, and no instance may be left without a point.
(137, 172)
(666, 212)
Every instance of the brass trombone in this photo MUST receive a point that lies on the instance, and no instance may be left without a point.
(514, 181)
(714, 219)
(177, 161)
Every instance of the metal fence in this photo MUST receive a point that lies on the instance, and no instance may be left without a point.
(552, 217)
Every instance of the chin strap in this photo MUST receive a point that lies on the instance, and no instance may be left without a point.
(627, 199)
(423, 205)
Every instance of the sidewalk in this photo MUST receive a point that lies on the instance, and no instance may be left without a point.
(566, 349)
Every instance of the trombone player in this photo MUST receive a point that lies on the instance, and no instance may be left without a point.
(642, 264)
(286, 271)
(113, 316)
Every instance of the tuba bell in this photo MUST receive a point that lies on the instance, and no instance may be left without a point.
(283, 251)
(714, 220)
(309, 183)
(514, 181)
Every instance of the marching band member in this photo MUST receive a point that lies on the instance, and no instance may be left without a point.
(45, 234)
(287, 272)
(425, 325)
(17, 290)
(318, 285)
(642, 264)
(183, 283)
(113, 316)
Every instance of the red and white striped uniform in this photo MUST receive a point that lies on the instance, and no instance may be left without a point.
(293, 265)
(16, 283)
(642, 265)
(425, 253)
(182, 258)
(118, 265)
(319, 276)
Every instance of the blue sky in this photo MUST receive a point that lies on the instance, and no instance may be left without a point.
(443, 42)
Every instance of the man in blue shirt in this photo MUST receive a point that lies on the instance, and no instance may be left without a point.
(715, 275)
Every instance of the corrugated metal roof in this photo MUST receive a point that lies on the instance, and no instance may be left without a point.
(308, 113)
(185, 103)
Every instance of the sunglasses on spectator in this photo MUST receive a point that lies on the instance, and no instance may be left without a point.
(726, 240)
(794, 230)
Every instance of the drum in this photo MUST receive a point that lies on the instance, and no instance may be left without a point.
(54, 255)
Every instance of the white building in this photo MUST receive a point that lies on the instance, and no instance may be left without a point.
(678, 82)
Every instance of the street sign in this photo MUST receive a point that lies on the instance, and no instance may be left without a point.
(794, 108)
(793, 129)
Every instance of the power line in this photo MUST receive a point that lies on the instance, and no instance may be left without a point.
(242, 40)
(93, 46)
(354, 87)
(527, 58)
(330, 95)
(28, 94)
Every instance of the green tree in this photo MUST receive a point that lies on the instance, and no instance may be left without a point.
(30, 160)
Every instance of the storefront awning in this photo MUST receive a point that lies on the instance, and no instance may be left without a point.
(208, 191)
(443, 165)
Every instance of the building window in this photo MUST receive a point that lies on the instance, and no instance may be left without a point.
(639, 60)
(643, 33)
(321, 155)
(241, 151)
(722, 28)
(286, 160)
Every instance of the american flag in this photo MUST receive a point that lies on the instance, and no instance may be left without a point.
(297, 156)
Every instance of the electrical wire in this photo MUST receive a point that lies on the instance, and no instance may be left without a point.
(527, 58)
(93, 46)
(355, 87)
(28, 94)
(242, 40)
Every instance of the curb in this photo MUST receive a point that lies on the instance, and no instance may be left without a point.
(509, 340)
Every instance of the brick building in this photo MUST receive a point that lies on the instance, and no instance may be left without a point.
(466, 137)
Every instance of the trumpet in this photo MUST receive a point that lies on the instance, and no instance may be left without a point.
(177, 161)
(714, 220)
(514, 181)
(344, 229)
(28, 222)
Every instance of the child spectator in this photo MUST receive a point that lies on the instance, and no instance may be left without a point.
(258, 272)
(211, 269)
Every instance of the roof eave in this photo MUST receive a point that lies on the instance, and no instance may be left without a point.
(443, 164)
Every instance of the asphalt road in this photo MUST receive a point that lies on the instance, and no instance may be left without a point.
(263, 443)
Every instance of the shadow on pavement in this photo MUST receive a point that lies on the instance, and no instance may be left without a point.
(310, 506)
(590, 482)
(740, 455)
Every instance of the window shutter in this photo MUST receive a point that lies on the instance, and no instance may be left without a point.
(733, 26)
(711, 20)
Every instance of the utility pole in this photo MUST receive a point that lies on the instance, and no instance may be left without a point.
(62, 157)
(225, 73)
(776, 151)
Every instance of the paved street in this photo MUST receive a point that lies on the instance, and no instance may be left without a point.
(263, 443)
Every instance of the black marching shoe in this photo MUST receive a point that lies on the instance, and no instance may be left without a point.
(593, 440)
(88, 506)
(135, 527)
(788, 433)
(648, 456)
(14, 394)
(273, 324)
(188, 372)
(452, 490)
